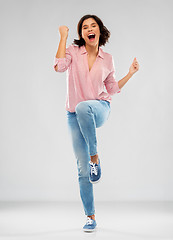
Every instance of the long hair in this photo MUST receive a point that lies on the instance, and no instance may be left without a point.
(104, 32)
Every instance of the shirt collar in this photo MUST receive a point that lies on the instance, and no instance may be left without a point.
(83, 51)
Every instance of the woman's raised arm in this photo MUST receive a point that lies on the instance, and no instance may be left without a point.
(63, 30)
(62, 61)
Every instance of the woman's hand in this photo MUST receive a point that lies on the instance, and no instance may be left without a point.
(63, 30)
(134, 67)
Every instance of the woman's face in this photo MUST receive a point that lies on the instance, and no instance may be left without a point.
(90, 28)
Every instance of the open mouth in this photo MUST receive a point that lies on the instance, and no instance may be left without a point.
(91, 36)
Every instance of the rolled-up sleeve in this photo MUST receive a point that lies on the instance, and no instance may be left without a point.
(63, 63)
(110, 83)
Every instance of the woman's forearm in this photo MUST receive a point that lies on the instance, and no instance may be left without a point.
(61, 48)
(123, 81)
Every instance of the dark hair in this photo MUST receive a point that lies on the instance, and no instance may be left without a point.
(104, 32)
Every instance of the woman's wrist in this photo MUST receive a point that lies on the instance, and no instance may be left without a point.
(63, 38)
(130, 74)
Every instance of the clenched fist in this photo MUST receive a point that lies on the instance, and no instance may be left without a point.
(134, 67)
(63, 30)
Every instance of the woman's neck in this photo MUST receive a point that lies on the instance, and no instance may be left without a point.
(92, 50)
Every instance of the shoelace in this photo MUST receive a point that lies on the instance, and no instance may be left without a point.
(94, 168)
(89, 221)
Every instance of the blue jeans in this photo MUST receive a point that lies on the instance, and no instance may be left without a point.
(82, 124)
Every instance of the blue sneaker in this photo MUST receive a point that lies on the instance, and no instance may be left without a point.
(90, 225)
(95, 172)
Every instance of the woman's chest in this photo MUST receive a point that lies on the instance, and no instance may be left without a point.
(91, 60)
(92, 67)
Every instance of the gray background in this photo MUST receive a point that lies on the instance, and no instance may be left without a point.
(36, 155)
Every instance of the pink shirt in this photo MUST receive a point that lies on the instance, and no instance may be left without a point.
(83, 84)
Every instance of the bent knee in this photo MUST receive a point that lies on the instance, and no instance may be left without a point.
(82, 107)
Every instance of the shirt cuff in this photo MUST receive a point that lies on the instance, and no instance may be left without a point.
(60, 62)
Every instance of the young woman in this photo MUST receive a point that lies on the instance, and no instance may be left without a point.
(90, 69)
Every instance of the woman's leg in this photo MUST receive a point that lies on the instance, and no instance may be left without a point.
(92, 114)
(81, 152)
(89, 115)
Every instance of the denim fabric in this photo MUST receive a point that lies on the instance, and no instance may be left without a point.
(82, 124)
